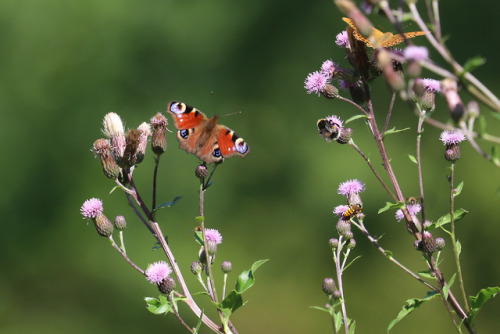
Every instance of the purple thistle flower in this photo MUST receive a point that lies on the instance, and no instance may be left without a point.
(316, 82)
(91, 208)
(414, 209)
(340, 209)
(335, 120)
(451, 137)
(157, 272)
(351, 187)
(431, 85)
(213, 235)
(328, 67)
(399, 215)
(416, 52)
(342, 40)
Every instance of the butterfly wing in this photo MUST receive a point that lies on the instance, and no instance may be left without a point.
(229, 143)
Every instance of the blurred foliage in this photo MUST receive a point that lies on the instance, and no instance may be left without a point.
(64, 64)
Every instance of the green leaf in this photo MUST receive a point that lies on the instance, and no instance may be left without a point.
(446, 219)
(412, 305)
(355, 117)
(200, 321)
(394, 130)
(476, 302)
(198, 237)
(459, 248)
(324, 309)
(352, 327)
(446, 288)
(495, 157)
(426, 274)
(458, 189)
(246, 278)
(347, 266)
(158, 306)
(390, 206)
(231, 303)
(412, 159)
(199, 220)
(168, 204)
(388, 254)
(471, 64)
(482, 125)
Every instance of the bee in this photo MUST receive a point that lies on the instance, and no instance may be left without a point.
(413, 200)
(353, 210)
(328, 130)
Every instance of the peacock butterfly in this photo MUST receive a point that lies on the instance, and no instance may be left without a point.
(203, 137)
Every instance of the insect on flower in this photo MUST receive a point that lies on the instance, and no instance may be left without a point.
(353, 210)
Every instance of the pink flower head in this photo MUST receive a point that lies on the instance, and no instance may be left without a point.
(351, 187)
(91, 208)
(399, 215)
(451, 137)
(328, 67)
(416, 52)
(213, 235)
(414, 209)
(340, 209)
(157, 272)
(342, 40)
(335, 120)
(316, 82)
(432, 85)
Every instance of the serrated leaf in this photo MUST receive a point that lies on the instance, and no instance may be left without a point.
(394, 130)
(412, 305)
(168, 204)
(426, 274)
(458, 189)
(412, 159)
(355, 117)
(390, 206)
(446, 219)
(246, 278)
(158, 306)
(472, 63)
(477, 302)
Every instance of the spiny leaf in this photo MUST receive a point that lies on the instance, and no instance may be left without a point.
(246, 278)
(168, 204)
(412, 305)
(476, 302)
(446, 219)
(389, 206)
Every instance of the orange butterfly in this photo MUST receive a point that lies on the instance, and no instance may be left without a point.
(383, 39)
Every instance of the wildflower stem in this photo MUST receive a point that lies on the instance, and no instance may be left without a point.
(134, 207)
(389, 113)
(124, 255)
(374, 241)
(354, 104)
(421, 118)
(454, 241)
(176, 312)
(332, 313)
(122, 243)
(340, 270)
(155, 173)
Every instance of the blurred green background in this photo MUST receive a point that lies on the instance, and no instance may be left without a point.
(65, 64)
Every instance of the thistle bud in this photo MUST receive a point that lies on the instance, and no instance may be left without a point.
(440, 243)
(334, 243)
(351, 244)
(196, 267)
(103, 225)
(330, 91)
(211, 247)
(201, 172)
(120, 223)
(329, 286)
(226, 267)
(428, 245)
(473, 109)
(337, 294)
(159, 138)
(109, 166)
(132, 140)
(167, 285)
(455, 105)
(343, 227)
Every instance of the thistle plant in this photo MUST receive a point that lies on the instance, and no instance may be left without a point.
(370, 58)
(119, 154)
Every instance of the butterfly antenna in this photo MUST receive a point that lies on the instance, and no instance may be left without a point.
(233, 113)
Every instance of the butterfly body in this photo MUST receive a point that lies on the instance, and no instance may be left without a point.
(382, 39)
(203, 136)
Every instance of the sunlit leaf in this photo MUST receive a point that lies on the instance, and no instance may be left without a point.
(412, 305)
(495, 156)
(246, 278)
(412, 158)
(446, 219)
(476, 302)
(394, 130)
(390, 206)
(168, 204)
(158, 306)
(458, 189)
(355, 117)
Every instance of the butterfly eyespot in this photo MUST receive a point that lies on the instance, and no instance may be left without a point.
(216, 153)
(177, 108)
(241, 146)
(184, 133)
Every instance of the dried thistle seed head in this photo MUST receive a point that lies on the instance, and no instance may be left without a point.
(145, 133)
(129, 156)
(114, 130)
(110, 168)
(159, 137)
